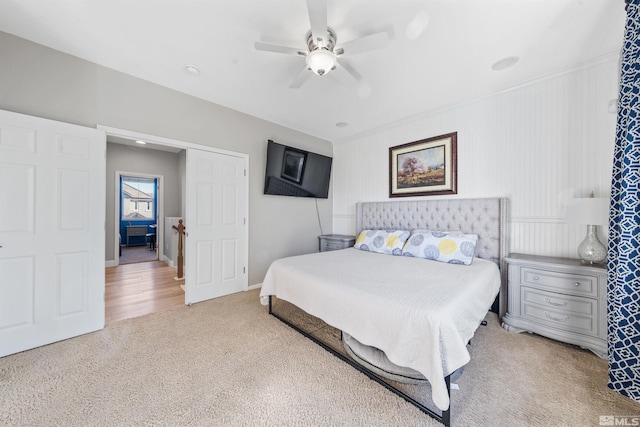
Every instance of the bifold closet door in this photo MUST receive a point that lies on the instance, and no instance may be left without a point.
(52, 213)
(216, 226)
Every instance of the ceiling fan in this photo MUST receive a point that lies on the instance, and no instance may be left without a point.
(323, 54)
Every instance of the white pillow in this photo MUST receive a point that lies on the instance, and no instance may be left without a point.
(388, 242)
(444, 246)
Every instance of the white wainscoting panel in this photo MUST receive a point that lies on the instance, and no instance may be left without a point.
(540, 145)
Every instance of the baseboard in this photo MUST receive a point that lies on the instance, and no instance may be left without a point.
(167, 260)
(110, 263)
(256, 286)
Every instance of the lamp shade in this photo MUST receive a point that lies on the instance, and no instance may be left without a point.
(321, 61)
(588, 211)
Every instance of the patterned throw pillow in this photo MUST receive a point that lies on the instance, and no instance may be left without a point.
(388, 242)
(443, 246)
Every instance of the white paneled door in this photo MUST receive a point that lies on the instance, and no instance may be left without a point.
(52, 211)
(216, 242)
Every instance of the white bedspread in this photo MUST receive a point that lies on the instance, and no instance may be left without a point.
(421, 313)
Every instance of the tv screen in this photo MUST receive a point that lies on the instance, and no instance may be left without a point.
(294, 172)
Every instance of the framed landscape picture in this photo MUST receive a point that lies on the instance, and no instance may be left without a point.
(424, 168)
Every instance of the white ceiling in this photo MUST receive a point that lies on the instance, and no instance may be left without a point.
(440, 52)
(137, 146)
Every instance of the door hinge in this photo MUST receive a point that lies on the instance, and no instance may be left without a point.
(244, 221)
(244, 270)
(245, 172)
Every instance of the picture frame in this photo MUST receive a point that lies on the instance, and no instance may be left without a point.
(426, 167)
(293, 163)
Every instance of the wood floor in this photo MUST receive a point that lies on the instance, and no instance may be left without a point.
(133, 290)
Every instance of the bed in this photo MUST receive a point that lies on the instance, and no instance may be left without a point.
(414, 313)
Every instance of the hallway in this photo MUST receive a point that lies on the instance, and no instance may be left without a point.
(133, 290)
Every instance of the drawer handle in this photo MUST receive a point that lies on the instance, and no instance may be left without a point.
(577, 284)
(535, 277)
(557, 319)
(555, 304)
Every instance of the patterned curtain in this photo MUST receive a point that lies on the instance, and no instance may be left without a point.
(623, 281)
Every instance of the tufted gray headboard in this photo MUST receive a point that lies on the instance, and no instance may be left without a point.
(486, 217)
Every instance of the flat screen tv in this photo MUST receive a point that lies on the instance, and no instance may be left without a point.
(294, 172)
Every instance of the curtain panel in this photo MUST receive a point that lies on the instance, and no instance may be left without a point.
(623, 281)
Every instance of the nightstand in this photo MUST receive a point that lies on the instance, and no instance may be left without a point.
(332, 242)
(559, 298)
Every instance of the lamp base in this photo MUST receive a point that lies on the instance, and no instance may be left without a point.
(591, 250)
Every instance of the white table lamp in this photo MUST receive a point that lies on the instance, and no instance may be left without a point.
(591, 212)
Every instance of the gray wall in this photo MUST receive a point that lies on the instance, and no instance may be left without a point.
(140, 160)
(42, 82)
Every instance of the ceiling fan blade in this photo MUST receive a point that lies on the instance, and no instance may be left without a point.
(345, 74)
(318, 19)
(350, 71)
(279, 49)
(350, 78)
(300, 78)
(364, 44)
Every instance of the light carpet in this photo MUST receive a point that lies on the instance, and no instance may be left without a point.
(227, 362)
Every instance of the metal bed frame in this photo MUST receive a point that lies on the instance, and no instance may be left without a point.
(444, 417)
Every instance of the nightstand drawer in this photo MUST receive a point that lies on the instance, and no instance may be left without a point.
(332, 245)
(572, 314)
(576, 284)
(559, 302)
(333, 242)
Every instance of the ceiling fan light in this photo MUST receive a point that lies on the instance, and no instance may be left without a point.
(321, 61)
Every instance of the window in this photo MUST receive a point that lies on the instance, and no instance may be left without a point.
(138, 198)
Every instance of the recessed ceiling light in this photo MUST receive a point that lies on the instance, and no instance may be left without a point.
(192, 69)
(342, 124)
(140, 142)
(505, 63)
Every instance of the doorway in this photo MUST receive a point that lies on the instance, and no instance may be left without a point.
(189, 207)
(138, 209)
(138, 280)
(125, 221)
